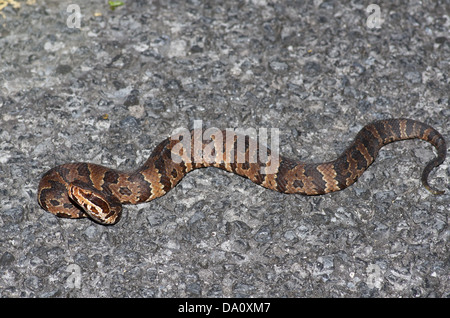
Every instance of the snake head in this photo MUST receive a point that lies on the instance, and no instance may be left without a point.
(102, 208)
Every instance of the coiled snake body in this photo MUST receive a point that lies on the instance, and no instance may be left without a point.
(76, 190)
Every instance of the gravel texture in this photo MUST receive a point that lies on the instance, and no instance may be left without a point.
(109, 91)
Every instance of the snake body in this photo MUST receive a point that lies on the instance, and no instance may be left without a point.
(77, 190)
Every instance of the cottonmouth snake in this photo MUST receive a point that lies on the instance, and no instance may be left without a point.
(76, 190)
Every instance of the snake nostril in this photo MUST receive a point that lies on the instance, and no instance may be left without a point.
(125, 191)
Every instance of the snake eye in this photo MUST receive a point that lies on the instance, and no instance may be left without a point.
(95, 204)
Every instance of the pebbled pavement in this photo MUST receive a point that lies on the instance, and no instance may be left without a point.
(109, 89)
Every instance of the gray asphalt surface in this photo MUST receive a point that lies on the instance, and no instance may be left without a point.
(110, 89)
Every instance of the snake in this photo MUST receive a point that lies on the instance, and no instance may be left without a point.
(79, 190)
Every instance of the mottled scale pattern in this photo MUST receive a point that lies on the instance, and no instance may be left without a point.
(69, 190)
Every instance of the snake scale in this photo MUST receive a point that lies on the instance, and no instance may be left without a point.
(77, 190)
